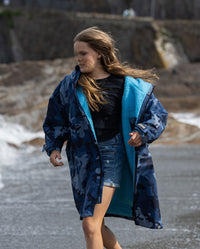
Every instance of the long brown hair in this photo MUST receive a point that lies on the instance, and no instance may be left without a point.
(104, 44)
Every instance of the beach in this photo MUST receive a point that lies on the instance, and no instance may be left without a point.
(37, 208)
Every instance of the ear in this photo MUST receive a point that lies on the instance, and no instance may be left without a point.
(99, 56)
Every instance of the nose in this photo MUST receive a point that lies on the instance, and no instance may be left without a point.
(78, 58)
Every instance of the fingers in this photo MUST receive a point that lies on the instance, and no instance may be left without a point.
(53, 158)
(135, 139)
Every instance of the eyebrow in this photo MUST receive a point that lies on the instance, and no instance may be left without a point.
(80, 51)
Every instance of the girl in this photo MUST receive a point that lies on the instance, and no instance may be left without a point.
(108, 115)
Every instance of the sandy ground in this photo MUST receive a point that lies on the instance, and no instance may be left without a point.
(37, 210)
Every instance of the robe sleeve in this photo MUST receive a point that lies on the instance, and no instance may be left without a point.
(153, 122)
(55, 125)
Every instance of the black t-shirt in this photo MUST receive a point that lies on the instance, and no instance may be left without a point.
(107, 121)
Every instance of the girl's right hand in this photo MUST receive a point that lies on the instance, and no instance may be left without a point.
(53, 158)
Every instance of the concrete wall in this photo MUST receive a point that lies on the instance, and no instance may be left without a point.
(162, 9)
(39, 35)
(5, 42)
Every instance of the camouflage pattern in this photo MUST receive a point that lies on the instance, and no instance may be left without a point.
(68, 118)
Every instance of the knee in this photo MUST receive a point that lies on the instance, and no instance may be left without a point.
(90, 227)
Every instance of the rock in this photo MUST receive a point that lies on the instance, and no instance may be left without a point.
(25, 88)
(179, 87)
(35, 142)
(179, 133)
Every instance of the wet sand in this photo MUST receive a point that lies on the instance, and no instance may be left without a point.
(37, 208)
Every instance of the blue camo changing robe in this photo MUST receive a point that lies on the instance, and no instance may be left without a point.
(68, 118)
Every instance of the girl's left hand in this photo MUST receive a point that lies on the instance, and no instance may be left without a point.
(135, 139)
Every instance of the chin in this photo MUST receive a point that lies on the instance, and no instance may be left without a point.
(84, 70)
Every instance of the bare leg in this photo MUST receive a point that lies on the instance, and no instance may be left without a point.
(93, 226)
(109, 239)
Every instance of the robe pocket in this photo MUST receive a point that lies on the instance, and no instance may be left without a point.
(76, 130)
(71, 162)
(75, 126)
(145, 161)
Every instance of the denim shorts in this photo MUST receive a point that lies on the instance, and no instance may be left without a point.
(112, 153)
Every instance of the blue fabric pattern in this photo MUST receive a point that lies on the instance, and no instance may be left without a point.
(68, 118)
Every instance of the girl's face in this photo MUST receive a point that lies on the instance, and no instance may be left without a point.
(88, 59)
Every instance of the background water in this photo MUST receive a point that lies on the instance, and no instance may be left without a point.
(188, 118)
(37, 209)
